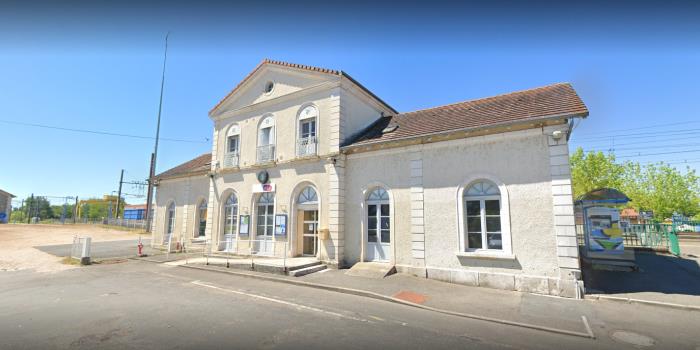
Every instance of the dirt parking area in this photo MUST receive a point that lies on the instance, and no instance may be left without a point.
(18, 242)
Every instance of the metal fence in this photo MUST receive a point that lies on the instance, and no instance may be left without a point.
(128, 223)
(243, 252)
(656, 236)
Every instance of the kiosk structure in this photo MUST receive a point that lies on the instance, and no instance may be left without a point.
(603, 233)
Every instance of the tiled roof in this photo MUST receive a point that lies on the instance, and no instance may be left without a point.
(628, 212)
(134, 206)
(197, 165)
(522, 106)
(297, 66)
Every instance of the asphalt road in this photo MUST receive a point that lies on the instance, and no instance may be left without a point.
(138, 304)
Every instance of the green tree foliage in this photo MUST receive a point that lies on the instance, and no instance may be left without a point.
(37, 207)
(58, 211)
(657, 187)
(595, 170)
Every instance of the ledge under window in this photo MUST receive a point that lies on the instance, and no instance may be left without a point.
(481, 254)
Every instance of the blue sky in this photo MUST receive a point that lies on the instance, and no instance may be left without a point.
(90, 65)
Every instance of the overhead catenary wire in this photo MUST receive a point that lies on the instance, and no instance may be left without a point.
(640, 135)
(642, 127)
(98, 132)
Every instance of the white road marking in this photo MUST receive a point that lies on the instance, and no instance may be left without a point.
(588, 327)
(283, 302)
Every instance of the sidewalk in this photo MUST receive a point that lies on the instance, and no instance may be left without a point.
(558, 314)
(661, 278)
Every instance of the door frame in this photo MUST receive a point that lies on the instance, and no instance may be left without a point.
(295, 245)
(392, 237)
(254, 215)
(300, 234)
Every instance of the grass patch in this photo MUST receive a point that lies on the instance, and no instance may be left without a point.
(70, 261)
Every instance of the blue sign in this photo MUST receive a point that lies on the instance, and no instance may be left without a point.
(3, 216)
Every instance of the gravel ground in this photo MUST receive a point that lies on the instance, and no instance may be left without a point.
(17, 244)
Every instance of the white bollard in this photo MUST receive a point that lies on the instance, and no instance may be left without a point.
(85, 254)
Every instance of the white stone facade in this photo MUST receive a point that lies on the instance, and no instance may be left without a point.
(425, 184)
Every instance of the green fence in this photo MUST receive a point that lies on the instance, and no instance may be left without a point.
(653, 236)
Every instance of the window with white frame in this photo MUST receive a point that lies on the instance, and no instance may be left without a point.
(169, 222)
(266, 140)
(231, 215)
(202, 216)
(231, 157)
(306, 142)
(483, 217)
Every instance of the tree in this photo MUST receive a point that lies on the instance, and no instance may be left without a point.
(37, 207)
(657, 187)
(595, 170)
(666, 191)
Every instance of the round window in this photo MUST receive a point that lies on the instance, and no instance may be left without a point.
(269, 86)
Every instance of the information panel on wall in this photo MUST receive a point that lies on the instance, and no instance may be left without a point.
(244, 225)
(280, 225)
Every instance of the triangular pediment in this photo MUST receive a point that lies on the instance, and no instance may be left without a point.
(270, 80)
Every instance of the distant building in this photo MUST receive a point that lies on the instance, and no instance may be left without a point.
(134, 212)
(5, 206)
(630, 215)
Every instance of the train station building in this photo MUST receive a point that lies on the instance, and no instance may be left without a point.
(307, 162)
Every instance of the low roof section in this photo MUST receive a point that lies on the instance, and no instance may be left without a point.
(197, 166)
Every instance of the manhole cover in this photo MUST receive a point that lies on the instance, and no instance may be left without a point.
(635, 339)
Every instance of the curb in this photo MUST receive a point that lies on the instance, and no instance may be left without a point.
(644, 302)
(363, 293)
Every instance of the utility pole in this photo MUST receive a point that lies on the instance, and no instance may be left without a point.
(29, 210)
(75, 209)
(119, 194)
(154, 155)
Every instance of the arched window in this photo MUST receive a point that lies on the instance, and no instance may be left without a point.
(169, 222)
(202, 218)
(482, 216)
(231, 215)
(378, 225)
(233, 144)
(308, 196)
(306, 141)
(266, 140)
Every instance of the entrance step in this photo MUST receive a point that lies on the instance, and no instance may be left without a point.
(613, 265)
(307, 270)
(371, 270)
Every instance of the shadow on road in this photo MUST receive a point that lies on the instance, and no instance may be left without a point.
(658, 273)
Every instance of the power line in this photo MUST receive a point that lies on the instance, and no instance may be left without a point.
(642, 134)
(643, 147)
(98, 132)
(646, 142)
(643, 127)
(656, 154)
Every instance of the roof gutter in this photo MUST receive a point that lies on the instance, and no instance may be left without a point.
(472, 129)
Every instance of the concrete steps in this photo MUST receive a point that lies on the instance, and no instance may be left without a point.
(299, 271)
(371, 270)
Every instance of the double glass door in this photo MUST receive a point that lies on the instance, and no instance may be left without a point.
(265, 228)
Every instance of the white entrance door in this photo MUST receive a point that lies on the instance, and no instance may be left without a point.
(265, 225)
(378, 231)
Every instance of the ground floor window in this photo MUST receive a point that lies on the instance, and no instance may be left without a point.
(231, 215)
(202, 213)
(482, 213)
(169, 222)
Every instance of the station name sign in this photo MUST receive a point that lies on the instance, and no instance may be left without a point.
(263, 188)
